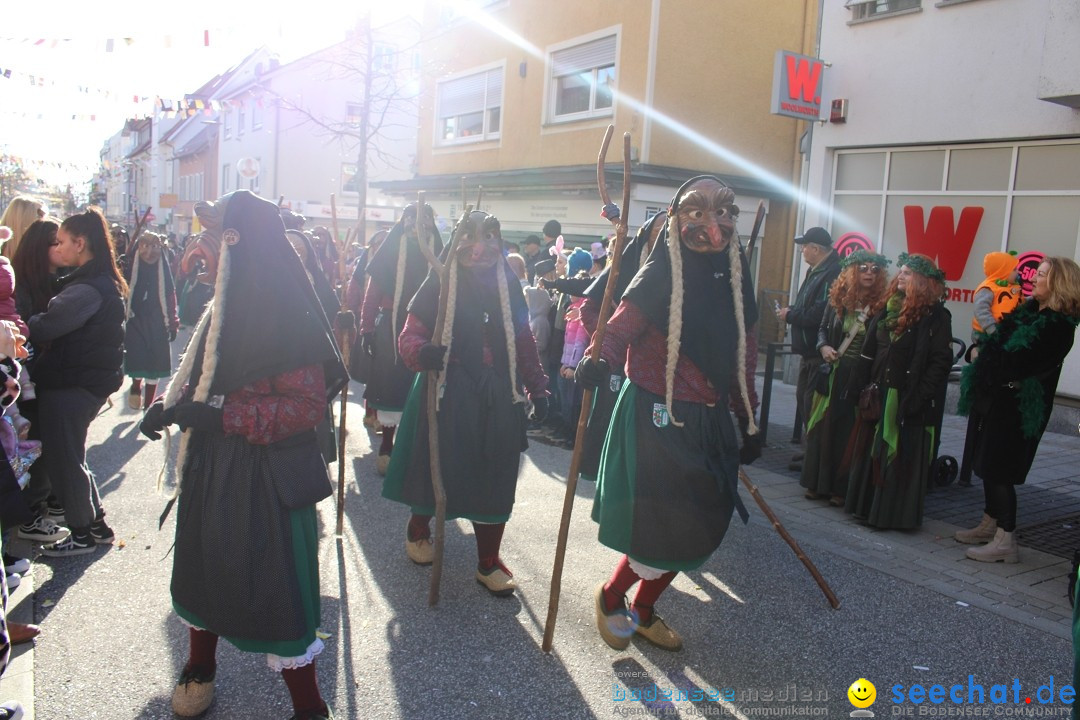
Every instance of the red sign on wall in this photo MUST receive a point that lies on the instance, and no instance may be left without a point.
(941, 239)
(849, 242)
(797, 85)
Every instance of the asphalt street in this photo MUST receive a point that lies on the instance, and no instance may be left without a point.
(760, 638)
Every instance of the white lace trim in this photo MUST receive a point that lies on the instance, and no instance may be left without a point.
(278, 663)
(388, 419)
(644, 571)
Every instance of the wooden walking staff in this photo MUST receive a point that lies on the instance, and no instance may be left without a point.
(139, 227)
(789, 540)
(345, 332)
(432, 393)
(587, 396)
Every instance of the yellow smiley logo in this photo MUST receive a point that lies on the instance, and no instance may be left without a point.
(862, 693)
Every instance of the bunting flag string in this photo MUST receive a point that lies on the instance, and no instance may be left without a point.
(199, 38)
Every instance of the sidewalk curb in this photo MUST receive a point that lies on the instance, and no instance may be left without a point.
(18, 681)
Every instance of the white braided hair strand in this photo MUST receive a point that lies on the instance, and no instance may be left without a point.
(447, 337)
(674, 337)
(210, 325)
(399, 282)
(735, 258)
(508, 328)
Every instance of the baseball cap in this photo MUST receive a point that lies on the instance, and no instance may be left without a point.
(816, 235)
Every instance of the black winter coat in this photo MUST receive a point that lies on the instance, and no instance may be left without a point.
(1003, 454)
(917, 364)
(806, 312)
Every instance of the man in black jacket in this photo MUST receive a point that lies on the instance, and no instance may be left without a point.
(805, 315)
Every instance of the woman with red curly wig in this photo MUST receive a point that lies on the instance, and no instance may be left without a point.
(908, 344)
(856, 296)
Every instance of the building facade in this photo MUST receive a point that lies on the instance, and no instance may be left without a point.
(516, 98)
(962, 135)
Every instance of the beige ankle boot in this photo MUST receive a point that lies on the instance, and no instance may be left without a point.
(1001, 549)
(981, 533)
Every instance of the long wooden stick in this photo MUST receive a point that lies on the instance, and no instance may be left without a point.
(789, 540)
(340, 273)
(587, 396)
(345, 327)
(758, 219)
(139, 227)
(432, 393)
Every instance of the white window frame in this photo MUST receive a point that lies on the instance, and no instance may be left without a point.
(867, 10)
(240, 118)
(553, 74)
(226, 131)
(486, 135)
(256, 114)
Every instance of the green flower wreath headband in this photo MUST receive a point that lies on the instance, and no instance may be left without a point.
(922, 266)
(864, 256)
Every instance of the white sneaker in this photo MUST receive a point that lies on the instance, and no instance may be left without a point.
(11, 711)
(43, 530)
(13, 580)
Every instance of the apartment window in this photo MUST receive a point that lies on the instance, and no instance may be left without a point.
(354, 114)
(256, 114)
(582, 79)
(225, 173)
(348, 178)
(226, 130)
(240, 112)
(253, 183)
(470, 107)
(868, 9)
(383, 58)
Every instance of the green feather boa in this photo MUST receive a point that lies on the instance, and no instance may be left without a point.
(1027, 324)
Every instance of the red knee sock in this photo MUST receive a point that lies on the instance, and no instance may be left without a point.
(419, 527)
(488, 541)
(148, 396)
(368, 411)
(203, 650)
(304, 689)
(647, 594)
(621, 581)
(136, 385)
(387, 446)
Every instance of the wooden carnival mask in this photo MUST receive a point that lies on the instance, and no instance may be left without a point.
(705, 216)
(149, 248)
(479, 243)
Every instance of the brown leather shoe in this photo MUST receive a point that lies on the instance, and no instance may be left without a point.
(193, 693)
(659, 634)
(615, 627)
(21, 633)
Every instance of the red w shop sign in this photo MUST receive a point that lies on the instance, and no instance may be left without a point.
(798, 81)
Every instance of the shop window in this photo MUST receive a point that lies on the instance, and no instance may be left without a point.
(583, 80)
(980, 169)
(921, 170)
(1048, 167)
(860, 171)
(470, 107)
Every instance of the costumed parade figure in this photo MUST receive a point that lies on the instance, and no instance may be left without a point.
(668, 478)
(359, 360)
(909, 343)
(484, 357)
(395, 272)
(856, 296)
(152, 321)
(249, 463)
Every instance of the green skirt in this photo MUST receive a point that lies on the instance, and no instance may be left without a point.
(832, 418)
(665, 494)
(887, 487)
(305, 548)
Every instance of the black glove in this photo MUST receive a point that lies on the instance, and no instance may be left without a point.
(367, 344)
(540, 409)
(592, 373)
(430, 357)
(751, 444)
(199, 416)
(156, 419)
(750, 450)
(172, 334)
(610, 211)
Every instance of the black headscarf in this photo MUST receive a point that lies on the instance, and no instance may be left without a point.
(477, 298)
(327, 297)
(382, 266)
(709, 332)
(628, 267)
(273, 321)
